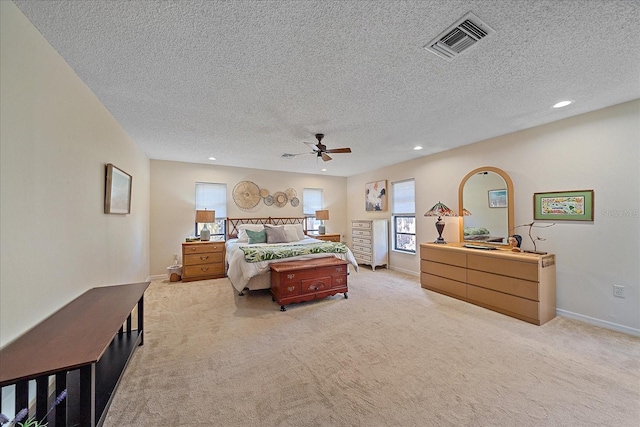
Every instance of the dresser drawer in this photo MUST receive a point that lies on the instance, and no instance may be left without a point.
(289, 289)
(444, 256)
(361, 241)
(361, 233)
(505, 267)
(504, 302)
(441, 284)
(507, 285)
(362, 257)
(199, 248)
(363, 249)
(202, 258)
(316, 284)
(339, 282)
(444, 270)
(203, 269)
(358, 224)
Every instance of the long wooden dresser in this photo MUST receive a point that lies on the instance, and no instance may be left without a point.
(203, 260)
(521, 285)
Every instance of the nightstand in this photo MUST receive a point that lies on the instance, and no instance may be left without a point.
(203, 260)
(329, 237)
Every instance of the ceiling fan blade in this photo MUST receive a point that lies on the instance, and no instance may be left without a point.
(339, 150)
(325, 157)
(290, 155)
(313, 145)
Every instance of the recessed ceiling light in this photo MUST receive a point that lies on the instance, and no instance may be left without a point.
(323, 169)
(562, 104)
(212, 158)
(417, 147)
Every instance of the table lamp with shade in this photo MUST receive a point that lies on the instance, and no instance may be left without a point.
(322, 215)
(440, 210)
(205, 217)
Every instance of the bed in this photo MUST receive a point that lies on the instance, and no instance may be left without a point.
(481, 234)
(253, 244)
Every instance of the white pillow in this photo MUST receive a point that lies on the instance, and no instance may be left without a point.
(242, 234)
(294, 232)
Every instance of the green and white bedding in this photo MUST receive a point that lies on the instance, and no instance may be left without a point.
(248, 264)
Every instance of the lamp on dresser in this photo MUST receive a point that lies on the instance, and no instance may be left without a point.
(322, 215)
(205, 217)
(440, 210)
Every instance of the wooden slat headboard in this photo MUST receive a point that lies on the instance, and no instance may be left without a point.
(233, 223)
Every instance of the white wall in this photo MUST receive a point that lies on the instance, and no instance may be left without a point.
(55, 139)
(173, 201)
(599, 151)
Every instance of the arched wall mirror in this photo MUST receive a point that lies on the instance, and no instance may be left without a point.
(485, 196)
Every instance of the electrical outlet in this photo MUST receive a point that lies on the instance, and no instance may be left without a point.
(618, 291)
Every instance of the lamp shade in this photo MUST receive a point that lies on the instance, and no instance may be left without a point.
(439, 209)
(322, 215)
(205, 216)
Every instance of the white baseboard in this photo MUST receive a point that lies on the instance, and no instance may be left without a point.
(599, 322)
(157, 277)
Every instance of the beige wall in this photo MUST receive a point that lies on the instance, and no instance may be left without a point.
(55, 139)
(599, 151)
(173, 201)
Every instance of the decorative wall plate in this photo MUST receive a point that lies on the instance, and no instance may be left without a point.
(268, 200)
(246, 194)
(291, 193)
(279, 199)
(295, 202)
(264, 192)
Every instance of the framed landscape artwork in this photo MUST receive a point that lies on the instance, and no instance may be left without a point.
(497, 198)
(117, 198)
(375, 196)
(563, 206)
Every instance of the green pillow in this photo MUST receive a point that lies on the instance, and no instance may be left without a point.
(257, 236)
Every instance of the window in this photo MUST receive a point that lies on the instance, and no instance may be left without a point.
(312, 201)
(212, 197)
(403, 200)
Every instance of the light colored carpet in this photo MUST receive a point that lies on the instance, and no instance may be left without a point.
(393, 354)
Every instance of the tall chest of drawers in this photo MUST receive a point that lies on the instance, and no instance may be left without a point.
(370, 241)
(203, 260)
(520, 285)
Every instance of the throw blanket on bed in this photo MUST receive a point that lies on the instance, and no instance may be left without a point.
(264, 253)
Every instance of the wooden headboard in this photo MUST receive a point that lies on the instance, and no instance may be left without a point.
(233, 223)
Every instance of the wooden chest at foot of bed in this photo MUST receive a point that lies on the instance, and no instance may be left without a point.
(306, 280)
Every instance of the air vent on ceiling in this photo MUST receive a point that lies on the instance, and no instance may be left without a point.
(460, 36)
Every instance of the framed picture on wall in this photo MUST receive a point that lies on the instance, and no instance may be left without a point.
(117, 198)
(563, 205)
(497, 198)
(375, 196)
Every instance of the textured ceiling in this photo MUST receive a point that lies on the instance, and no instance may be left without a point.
(245, 81)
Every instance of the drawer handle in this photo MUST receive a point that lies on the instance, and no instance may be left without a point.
(204, 268)
(290, 276)
(193, 248)
(204, 257)
(316, 285)
(291, 288)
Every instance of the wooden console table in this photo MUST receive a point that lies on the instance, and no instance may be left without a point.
(84, 347)
(306, 280)
(521, 285)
